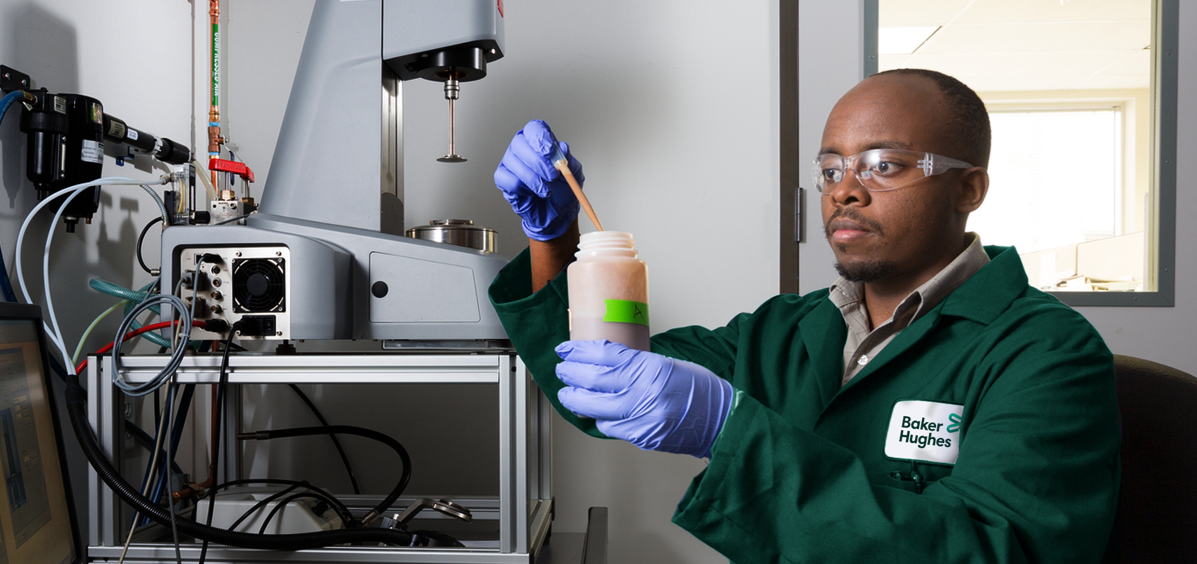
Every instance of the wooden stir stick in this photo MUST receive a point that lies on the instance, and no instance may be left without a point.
(562, 165)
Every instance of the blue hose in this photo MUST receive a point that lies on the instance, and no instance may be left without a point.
(145, 481)
(8, 100)
(163, 479)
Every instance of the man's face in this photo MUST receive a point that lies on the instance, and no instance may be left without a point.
(897, 236)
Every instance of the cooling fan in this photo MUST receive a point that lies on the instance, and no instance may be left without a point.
(259, 285)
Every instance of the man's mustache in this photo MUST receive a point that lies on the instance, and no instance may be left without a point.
(849, 213)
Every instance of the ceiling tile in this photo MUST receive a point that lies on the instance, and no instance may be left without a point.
(904, 13)
(1136, 63)
(1021, 83)
(1013, 64)
(902, 40)
(1003, 45)
(1103, 81)
(1038, 37)
(890, 62)
(1014, 11)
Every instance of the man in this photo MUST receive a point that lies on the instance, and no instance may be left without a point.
(930, 406)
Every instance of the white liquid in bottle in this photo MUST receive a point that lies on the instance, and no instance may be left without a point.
(608, 291)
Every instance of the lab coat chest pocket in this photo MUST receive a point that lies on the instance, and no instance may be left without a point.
(922, 441)
(924, 431)
(916, 477)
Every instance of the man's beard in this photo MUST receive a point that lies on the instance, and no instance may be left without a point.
(866, 272)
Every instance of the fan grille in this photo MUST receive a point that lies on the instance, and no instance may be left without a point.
(259, 285)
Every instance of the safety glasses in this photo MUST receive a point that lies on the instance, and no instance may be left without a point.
(881, 170)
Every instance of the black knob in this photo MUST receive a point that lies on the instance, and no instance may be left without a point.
(379, 289)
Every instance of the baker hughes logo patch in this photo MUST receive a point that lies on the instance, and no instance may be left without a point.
(926, 431)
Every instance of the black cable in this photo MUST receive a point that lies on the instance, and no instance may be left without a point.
(335, 440)
(336, 504)
(331, 499)
(279, 506)
(219, 415)
(77, 409)
(341, 508)
(76, 400)
(144, 439)
(181, 416)
(170, 447)
(140, 238)
(395, 445)
(262, 504)
(247, 481)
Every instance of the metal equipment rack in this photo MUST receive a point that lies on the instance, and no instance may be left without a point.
(524, 507)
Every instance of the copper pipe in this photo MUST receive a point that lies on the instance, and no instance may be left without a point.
(214, 139)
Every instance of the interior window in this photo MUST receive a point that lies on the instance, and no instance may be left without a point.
(1074, 90)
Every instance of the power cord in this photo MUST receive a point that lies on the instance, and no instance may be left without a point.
(170, 448)
(279, 507)
(342, 508)
(336, 442)
(263, 503)
(395, 445)
(140, 239)
(219, 415)
(313, 492)
(76, 400)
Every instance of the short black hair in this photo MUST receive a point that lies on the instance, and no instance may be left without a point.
(969, 124)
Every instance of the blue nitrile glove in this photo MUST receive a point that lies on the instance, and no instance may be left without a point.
(534, 188)
(652, 401)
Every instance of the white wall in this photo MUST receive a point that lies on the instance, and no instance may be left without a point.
(132, 55)
(671, 107)
(88, 47)
(830, 39)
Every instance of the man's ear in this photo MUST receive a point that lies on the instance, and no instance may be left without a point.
(974, 184)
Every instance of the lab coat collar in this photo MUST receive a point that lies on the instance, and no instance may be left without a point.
(982, 298)
(991, 290)
(822, 327)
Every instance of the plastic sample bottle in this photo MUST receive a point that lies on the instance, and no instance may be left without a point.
(608, 291)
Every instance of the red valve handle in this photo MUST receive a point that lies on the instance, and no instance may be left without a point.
(240, 169)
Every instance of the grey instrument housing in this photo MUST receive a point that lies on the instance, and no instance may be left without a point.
(334, 195)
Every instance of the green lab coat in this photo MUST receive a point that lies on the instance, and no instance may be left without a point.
(799, 472)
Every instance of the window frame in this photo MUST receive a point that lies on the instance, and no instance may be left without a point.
(1165, 33)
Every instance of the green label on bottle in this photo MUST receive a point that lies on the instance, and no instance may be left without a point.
(626, 311)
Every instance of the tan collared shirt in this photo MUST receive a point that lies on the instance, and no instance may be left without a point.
(862, 345)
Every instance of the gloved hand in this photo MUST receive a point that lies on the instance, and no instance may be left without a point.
(535, 189)
(652, 401)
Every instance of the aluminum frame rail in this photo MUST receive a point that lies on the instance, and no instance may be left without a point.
(523, 508)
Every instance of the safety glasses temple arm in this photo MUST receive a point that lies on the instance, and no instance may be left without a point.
(933, 164)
